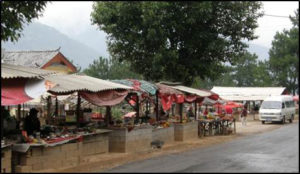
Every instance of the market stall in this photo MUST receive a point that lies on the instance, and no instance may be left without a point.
(145, 95)
(71, 145)
(221, 122)
(18, 85)
(64, 151)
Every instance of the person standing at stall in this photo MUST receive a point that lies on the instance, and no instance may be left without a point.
(244, 115)
(32, 123)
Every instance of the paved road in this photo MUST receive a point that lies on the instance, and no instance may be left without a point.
(275, 151)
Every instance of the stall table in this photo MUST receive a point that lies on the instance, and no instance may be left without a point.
(63, 153)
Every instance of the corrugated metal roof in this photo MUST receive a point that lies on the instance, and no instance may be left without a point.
(16, 71)
(247, 93)
(144, 85)
(198, 92)
(35, 59)
(75, 82)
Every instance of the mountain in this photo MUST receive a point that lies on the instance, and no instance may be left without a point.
(261, 51)
(88, 46)
(37, 36)
(94, 38)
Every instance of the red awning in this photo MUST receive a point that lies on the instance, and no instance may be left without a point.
(20, 90)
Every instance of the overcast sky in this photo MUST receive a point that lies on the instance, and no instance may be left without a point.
(73, 18)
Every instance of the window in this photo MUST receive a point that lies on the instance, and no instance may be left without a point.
(271, 105)
(287, 104)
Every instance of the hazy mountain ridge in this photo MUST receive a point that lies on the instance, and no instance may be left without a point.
(83, 48)
(37, 36)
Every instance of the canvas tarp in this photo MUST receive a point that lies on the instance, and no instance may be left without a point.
(104, 98)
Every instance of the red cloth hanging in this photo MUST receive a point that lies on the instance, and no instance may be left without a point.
(104, 98)
(166, 101)
(190, 98)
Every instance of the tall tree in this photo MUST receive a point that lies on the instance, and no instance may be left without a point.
(178, 41)
(111, 69)
(245, 69)
(284, 57)
(262, 75)
(14, 14)
(247, 72)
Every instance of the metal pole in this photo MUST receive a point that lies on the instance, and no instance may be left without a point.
(78, 110)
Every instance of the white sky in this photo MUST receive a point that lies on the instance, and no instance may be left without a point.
(72, 18)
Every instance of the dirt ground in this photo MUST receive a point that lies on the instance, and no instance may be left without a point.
(106, 161)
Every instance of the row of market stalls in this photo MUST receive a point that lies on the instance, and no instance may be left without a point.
(149, 113)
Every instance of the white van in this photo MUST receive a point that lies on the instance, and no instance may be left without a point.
(277, 108)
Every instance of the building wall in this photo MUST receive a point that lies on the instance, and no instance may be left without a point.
(61, 64)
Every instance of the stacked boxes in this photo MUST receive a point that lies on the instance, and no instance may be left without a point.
(164, 134)
(6, 160)
(121, 140)
(186, 131)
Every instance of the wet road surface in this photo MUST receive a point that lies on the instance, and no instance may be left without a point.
(274, 151)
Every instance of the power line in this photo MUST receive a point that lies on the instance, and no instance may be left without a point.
(276, 16)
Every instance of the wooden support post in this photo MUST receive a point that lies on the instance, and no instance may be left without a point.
(181, 111)
(19, 113)
(48, 110)
(195, 110)
(56, 106)
(108, 115)
(234, 126)
(156, 105)
(137, 108)
(78, 110)
(2, 125)
(253, 110)
(23, 111)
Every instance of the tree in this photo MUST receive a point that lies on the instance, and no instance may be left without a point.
(245, 69)
(110, 69)
(262, 76)
(14, 14)
(284, 57)
(177, 41)
(223, 79)
(247, 72)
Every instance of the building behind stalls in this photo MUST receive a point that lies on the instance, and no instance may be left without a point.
(44, 59)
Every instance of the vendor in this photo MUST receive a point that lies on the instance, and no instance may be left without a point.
(32, 123)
